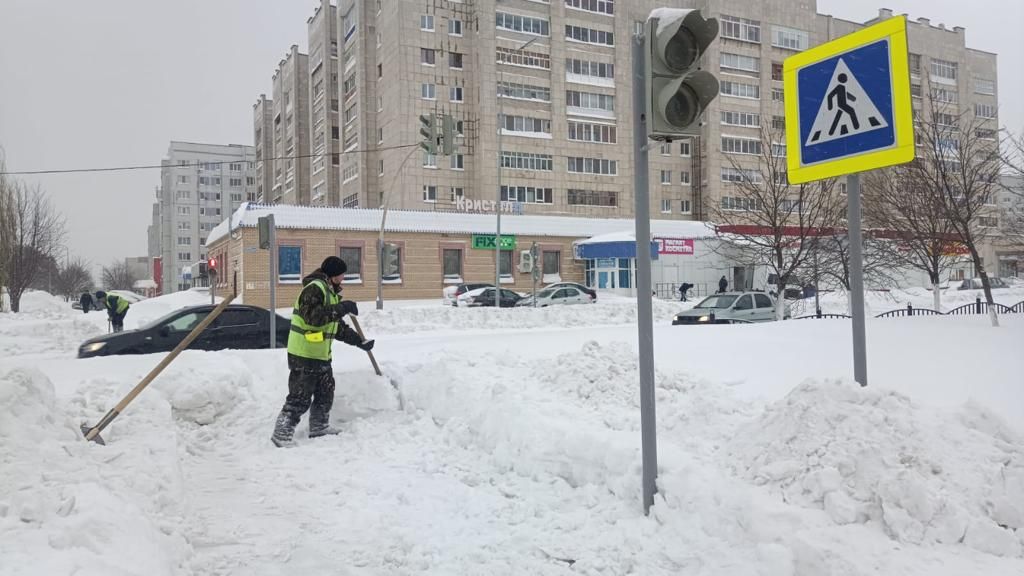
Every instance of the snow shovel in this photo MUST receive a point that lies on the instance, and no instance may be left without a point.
(93, 434)
(376, 367)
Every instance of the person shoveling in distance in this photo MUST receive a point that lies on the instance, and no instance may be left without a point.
(316, 322)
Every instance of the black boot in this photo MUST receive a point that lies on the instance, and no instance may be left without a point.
(284, 429)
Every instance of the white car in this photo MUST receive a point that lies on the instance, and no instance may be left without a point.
(557, 297)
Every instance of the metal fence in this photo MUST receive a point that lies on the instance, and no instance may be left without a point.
(978, 307)
(670, 291)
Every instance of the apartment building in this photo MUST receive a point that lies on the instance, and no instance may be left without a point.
(263, 138)
(545, 87)
(325, 132)
(291, 129)
(200, 185)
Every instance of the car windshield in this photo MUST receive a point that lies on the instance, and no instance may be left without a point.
(546, 293)
(717, 302)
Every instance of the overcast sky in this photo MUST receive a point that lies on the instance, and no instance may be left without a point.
(111, 82)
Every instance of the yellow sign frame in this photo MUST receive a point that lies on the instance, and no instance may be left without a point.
(895, 29)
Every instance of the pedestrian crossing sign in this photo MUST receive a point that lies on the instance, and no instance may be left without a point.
(848, 104)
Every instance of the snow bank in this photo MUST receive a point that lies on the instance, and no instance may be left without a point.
(150, 309)
(69, 504)
(877, 302)
(874, 457)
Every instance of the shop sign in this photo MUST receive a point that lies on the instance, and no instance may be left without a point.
(682, 246)
(486, 242)
(477, 205)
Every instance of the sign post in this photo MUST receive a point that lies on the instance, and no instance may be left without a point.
(268, 241)
(535, 272)
(848, 111)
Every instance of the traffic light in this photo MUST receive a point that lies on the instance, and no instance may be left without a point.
(428, 130)
(211, 265)
(448, 134)
(678, 91)
(390, 260)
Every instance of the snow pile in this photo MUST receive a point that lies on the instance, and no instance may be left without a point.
(151, 309)
(870, 456)
(418, 319)
(69, 504)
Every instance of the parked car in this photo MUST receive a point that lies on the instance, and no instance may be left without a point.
(975, 284)
(557, 297)
(588, 291)
(730, 308)
(485, 297)
(237, 327)
(450, 294)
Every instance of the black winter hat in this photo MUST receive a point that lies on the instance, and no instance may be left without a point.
(333, 266)
(101, 294)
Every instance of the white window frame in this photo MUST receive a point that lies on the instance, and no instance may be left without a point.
(684, 178)
(455, 23)
(666, 176)
(427, 22)
(740, 29)
(424, 52)
(685, 207)
(457, 162)
(428, 91)
(744, 88)
(790, 38)
(430, 193)
(666, 206)
(456, 94)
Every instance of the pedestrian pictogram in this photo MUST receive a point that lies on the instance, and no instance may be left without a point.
(846, 110)
(848, 104)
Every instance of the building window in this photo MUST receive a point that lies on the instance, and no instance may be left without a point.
(456, 192)
(589, 35)
(526, 194)
(749, 119)
(235, 167)
(592, 198)
(789, 38)
(733, 145)
(740, 90)
(739, 62)
(393, 267)
(984, 110)
(427, 22)
(353, 259)
(598, 6)
(523, 58)
(778, 95)
(184, 225)
(524, 91)
(451, 259)
(289, 263)
(526, 161)
(429, 160)
(524, 24)
(380, 135)
(665, 148)
(429, 193)
(455, 27)
(915, 90)
(599, 166)
(666, 206)
(184, 210)
(738, 204)
(915, 63)
(455, 94)
(778, 150)
(982, 86)
(427, 57)
(551, 262)
(380, 69)
(505, 265)
(428, 91)
(778, 122)
(985, 134)
(234, 182)
(185, 256)
(589, 132)
(684, 207)
(182, 179)
(525, 125)
(666, 176)
(589, 103)
(736, 175)
(350, 201)
(943, 119)
(455, 60)
(380, 167)
(684, 178)
(944, 95)
(740, 29)
(943, 70)
(589, 72)
(236, 196)
(350, 173)
(684, 147)
(777, 71)
(456, 162)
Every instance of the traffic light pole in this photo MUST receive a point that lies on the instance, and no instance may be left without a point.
(645, 320)
(273, 280)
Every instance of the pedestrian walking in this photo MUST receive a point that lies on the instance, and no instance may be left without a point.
(117, 308)
(85, 300)
(317, 320)
(723, 284)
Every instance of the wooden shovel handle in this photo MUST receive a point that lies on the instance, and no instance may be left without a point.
(359, 330)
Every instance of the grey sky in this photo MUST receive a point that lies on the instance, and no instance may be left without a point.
(111, 82)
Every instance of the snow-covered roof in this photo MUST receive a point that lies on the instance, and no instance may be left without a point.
(622, 236)
(364, 219)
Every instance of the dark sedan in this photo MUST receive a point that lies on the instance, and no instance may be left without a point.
(486, 298)
(237, 327)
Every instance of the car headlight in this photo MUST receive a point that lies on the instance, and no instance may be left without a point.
(702, 319)
(93, 347)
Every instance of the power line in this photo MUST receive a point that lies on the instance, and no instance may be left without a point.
(221, 162)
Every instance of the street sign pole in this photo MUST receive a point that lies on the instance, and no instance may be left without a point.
(272, 249)
(535, 272)
(860, 357)
(645, 320)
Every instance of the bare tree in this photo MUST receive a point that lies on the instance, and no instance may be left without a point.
(958, 163)
(1012, 217)
(6, 227)
(74, 278)
(764, 220)
(830, 259)
(908, 211)
(36, 232)
(118, 276)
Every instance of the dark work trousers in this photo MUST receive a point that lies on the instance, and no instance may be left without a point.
(117, 320)
(308, 389)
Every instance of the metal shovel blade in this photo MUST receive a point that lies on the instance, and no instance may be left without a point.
(97, 438)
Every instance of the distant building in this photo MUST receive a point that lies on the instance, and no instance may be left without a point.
(325, 132)
(291, 130)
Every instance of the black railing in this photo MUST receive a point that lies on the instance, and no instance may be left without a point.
(909, 311)
(670, 291)
(977, 307)
(980, 307)
(820, 315)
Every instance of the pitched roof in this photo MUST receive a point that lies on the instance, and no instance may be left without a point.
(364, 219)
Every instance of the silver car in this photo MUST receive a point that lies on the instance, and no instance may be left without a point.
(730, 308)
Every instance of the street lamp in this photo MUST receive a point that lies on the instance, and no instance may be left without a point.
(501, 127)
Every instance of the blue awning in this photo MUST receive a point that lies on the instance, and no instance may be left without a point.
(626, 249)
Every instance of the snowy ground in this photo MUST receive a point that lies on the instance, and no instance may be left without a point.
(518, 449)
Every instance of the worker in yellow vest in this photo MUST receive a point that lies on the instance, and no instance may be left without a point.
(117, 308)
(316, 322)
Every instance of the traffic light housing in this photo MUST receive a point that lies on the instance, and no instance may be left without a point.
(390, 259)
(428, 129)
(448, 134)
(677, 90)
(211, 265)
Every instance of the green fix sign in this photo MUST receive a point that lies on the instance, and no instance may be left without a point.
(486, 242)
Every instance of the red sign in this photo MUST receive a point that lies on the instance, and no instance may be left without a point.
(158, 274)
(675, 246)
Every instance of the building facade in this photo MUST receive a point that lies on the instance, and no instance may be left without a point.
(325, 132)
(200, 185)
(291, 129)
(544, 87)
(263, 138)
